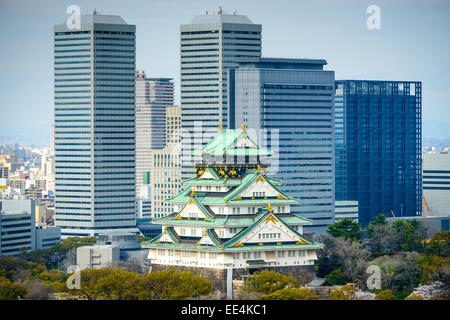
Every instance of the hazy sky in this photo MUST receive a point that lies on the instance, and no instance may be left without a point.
(413, 44)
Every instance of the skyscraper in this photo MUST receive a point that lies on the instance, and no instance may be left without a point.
(378, 146)
(291, 102)
(210, 45)
(153, 97)
(94, 126)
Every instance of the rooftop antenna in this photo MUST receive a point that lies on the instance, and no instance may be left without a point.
(94, 12)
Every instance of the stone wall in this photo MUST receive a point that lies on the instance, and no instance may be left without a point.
(218, 277)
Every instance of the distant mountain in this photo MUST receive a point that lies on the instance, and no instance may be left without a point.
(436, 130)
(37, 135)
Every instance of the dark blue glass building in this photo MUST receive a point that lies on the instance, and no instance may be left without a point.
(378, 130)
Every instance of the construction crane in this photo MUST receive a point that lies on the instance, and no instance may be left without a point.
(427, 210)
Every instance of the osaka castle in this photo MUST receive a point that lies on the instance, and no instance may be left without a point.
(231, 215)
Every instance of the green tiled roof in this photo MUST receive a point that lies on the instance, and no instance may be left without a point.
(229, 221)
(246, 231)
(224, 141)
(194, 247)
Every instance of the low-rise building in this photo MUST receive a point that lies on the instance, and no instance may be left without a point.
(345, 210)
(47, 237)
(17, 226)
(97, 256)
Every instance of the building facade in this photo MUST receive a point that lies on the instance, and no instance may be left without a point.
(17, 226)
(210, 45)
(289, 105)
(153, 97)
(95, 126)
(378, 134)
(232, 216)
(97, 256)
(436, 183)
(346, 210)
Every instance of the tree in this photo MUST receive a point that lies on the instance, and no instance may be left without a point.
(389, 267)
(414, 297)
(409, 271)
(88, 284)
(118, 284)
(338, 295)
(268, 281)
(385, 295)
(351, 257)
(346, 228)
(9, 290)
(377, 231)
(325, 264)
(37, 290)
(434, 269)
(337, 278)
(439, 245)
(291, 294)
(407, 235)
(170, 284)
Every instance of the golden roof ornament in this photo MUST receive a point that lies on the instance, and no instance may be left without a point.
(219, 128)
(243, 127)
(259, 168)
(269, 207)
(192, 192)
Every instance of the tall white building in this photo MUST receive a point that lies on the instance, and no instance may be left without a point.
(210, 45)
(436, 183)
(94, 126)
(153, 97)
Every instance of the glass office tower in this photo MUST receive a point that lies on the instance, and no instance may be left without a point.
(378, 146)
(95, 126)
(292, 102)
(210, 45)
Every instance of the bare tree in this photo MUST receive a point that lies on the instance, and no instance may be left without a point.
(352, 256)
(37, 290)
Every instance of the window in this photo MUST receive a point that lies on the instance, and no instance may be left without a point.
(203, 255)
(257, 255)
(291, 253)
(212, 255)
(192, 214)
(193, 232)
(161, 252)
(280, 254)
(170, 253)
(183, 231)
(236, 255)
(221, 233)
(185, 253)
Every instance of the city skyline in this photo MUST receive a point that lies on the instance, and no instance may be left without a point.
(413, 39)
